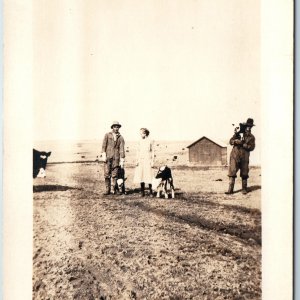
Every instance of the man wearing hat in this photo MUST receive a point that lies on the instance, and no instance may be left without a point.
(113, 155)
(239, 156)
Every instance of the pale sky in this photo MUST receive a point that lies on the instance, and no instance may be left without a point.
(183, 69)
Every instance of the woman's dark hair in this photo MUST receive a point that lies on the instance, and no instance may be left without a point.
(147, 132)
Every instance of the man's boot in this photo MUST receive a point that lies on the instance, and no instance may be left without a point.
(231, 186)
(244, 186)
(143, 189)
(107, 186)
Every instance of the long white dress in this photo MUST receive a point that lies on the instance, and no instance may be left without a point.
(143, 172)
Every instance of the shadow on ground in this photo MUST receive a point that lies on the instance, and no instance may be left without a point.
(52, 188)
(244, 232)
(250, 189)
(137, 191)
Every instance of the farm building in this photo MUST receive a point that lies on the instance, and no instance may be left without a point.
(207, 152)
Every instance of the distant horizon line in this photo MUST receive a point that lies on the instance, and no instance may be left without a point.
(95, 139)
(129, 140)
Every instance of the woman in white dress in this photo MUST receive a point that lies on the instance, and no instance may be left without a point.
(145, 159)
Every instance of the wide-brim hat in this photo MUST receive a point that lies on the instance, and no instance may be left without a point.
(250, 122)
(115, 123)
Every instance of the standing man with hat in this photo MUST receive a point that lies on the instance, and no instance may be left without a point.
(113, 155)
(239, 156)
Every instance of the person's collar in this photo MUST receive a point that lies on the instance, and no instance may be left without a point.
(116, 135)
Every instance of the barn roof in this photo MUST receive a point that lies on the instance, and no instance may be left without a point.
(219, 143)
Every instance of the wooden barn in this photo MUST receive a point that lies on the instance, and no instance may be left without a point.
(207, 152)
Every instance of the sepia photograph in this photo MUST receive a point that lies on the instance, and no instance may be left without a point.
(148, 146)
(147, 117)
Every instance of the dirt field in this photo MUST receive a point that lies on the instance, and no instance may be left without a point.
(202, 245)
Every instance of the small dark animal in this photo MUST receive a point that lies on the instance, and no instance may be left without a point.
(161, 180)
(120, 184)
(39, 163)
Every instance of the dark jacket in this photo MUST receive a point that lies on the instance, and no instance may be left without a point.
(248, 142)
(113, 149)
(241, 148)
(239, 156)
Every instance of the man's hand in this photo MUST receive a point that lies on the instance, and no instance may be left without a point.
(152, 163)
(122, 162)
(237, 142)
(103, 157)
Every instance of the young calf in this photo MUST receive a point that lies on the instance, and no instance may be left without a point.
(161, 180)
(120, 184)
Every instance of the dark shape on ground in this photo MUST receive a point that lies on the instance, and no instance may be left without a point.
(80, 244)
(219, 179)
(247, 235)
(254, 188)
(133, 191)
(250, 189)
(52, 188)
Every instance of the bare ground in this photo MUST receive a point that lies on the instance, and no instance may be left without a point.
(202, 245)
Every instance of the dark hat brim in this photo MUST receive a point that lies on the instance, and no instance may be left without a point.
(115, 125)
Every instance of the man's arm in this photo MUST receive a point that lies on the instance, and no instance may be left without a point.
(249, 144)
(235, 140)
(122, 147)
(122, 152)
(104, 143)
(104, 147)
